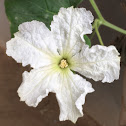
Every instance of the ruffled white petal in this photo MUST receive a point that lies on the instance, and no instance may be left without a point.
(33, 45)
(70, 90)
(35, 85)
(71, 96)
(68, 28)
(98, 63)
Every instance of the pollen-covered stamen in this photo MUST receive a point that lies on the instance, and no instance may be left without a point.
(63, 63)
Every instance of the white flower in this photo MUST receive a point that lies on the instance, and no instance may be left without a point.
(55, 54)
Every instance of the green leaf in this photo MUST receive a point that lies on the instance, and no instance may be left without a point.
(19, 11)
(87, 40)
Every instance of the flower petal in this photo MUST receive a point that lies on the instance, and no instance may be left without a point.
(98, 63)
(33, 45)
(71, 96)
(70, 90)
(68, 28)
(35, 85)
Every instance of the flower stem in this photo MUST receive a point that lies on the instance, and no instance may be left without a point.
(101, 21)
(106, 23)
(97, 24)
(99, 36)
(96, 9)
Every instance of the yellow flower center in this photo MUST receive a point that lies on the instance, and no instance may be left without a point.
(63, 64)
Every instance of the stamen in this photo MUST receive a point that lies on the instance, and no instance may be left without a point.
(63, 63)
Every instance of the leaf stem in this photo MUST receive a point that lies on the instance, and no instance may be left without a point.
(99, 36)
(96, 26)
(101, 21)
(96, 9)
(110, 25)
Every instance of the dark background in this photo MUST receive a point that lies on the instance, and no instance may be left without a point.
(102, 108)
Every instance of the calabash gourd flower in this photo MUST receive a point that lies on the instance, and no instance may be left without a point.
(55, 54)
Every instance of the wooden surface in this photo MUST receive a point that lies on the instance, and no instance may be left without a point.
(123, 110)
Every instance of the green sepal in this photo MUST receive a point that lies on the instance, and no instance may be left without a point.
(87, 40)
